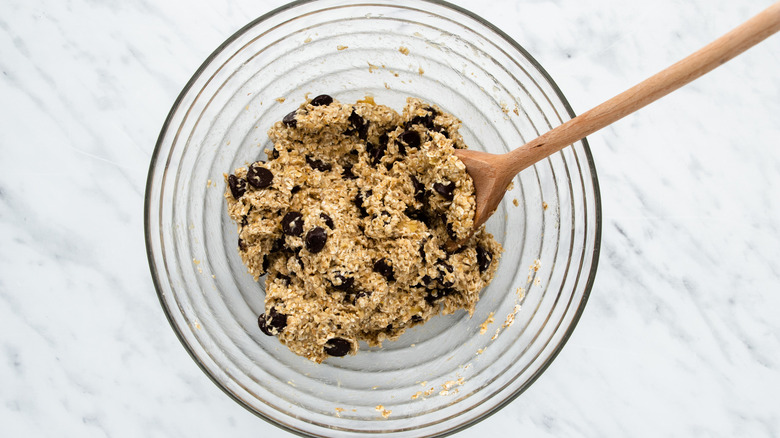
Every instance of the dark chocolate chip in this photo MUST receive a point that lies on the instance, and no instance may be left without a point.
(258, 176)
(422, 249)
(317, 164)
(410, 138)
(278, 244)
(416, 318)
(360, 198)
(483, 258)
(383, 139)
(241, 244)
(266, 264)
(359, 125)
(438, 294)
(321, 100)
(285, 279)
(244, 221)
(237, 186)
(289, 119)
(274, 154)
(444, 269)
(273, 323)
(451, 232)
(292, 224)
(384, 268)
(295, 189)
(347, 172)
(327, 219)
(427, 280)
(418, 215)
(442, 130)
(344, 283)
(315, 239)
(337, 347)
(419, 189)
(426, 120)
(445, 190)
(377, 153)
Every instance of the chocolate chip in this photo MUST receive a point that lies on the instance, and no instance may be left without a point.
(278, 244)
(344, 283)
(289, 119)
(442, 130)
(327, 219)
(359, 125)
(377, 153)
(360, 199)
(285, 279)
(438, 294)
(422, 249)
(418, 215)
(237, 186)
(317, 164)
(445, 190)
(315, 239)
(416, 318)
(273, 323)
(410, 138)
(419, 189)
(292, 224)
(241, 244)
(337, 347)
(483, 258)
(384, 268)
(451, 232)
(321, 100)
(383, 139)
(444, 269)
(426, 120)
(244, 221)
(274, 154)
(347, 172)
(295, 189)
(427, 280)
(258, 176)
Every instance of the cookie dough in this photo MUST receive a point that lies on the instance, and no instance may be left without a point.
(348, 220)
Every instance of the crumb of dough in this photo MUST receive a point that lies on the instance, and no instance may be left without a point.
(429, 392)
(404, 50)
(504, 108)
(544, 205)
(483, 327)
(516, 111)
(348, 220)
(339, 411)
(372, 67)
(515, 202)
(385, 412)
(307, 40)
(196, 261)
(280, 99)
(340, 47)
(420, 71)
(416, 395)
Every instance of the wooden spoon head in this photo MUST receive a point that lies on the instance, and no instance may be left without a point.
(491, 178)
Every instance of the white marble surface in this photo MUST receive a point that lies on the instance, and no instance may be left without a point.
(681, 336)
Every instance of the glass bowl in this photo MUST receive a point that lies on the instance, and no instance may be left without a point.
(439, 377)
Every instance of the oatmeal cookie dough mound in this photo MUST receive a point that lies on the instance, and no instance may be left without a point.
(349, 218)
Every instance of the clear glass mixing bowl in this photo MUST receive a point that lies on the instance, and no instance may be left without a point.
(439, 377)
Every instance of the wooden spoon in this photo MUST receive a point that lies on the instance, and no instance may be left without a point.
(493, 173)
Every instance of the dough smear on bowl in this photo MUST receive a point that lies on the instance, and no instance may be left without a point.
(348, 220)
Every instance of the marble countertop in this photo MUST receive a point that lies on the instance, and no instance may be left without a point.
(681, 335)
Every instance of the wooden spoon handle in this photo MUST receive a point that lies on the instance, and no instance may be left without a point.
(662, 83)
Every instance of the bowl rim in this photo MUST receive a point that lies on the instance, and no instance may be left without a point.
(294, 4)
